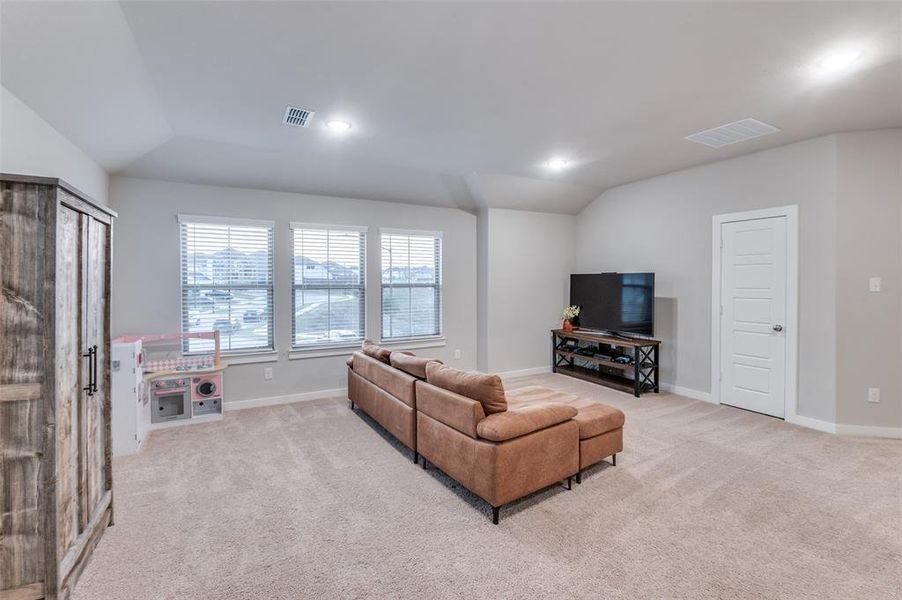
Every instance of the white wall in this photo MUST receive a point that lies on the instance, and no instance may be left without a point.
(663, 224)
(528, 258)
(31, 146)
(869, 244)
(146, 270)
(482, 280)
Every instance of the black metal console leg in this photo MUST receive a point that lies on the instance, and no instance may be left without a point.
(614, 460)
(637, 361)
(656, 367)
(495, 510)
(579, 477)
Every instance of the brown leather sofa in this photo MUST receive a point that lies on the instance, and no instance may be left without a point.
(501, 446)
(600, 425)
(386, 394)
(500, 457)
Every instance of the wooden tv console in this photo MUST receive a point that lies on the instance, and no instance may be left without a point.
(590, 356)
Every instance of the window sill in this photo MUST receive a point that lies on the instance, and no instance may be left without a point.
(250, 358)
(345, 350)
(416, 343)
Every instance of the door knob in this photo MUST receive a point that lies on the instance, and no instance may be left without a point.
(778, 328)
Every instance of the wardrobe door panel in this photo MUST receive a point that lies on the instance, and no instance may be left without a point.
(96, 405)
(24, 219)
(69, 376)
(55, 476)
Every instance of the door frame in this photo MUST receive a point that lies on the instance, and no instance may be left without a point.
(791, 327)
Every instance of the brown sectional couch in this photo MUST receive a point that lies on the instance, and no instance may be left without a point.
(600, 425)
(500, 445)
(500, 457)
(387, 395)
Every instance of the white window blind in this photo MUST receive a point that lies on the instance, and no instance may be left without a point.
(329, 285)
(227, 282)
(411, 284)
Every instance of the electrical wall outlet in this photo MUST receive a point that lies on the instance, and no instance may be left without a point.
(267, 373)
(875, 284)
(457, 354)
(874, 395)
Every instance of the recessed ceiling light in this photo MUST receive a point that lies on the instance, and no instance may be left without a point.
(336, 125)
(839, 60)
(558, 163)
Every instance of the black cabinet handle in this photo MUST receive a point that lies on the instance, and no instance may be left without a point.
(94, 382)
(91, 355)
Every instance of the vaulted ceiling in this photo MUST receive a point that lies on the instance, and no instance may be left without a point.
(453, 104)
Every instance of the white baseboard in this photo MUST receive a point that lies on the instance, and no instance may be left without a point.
(870, 431)
(811, 423)
(859, 430)
(286, 399)
(524, 372)
(688, 392)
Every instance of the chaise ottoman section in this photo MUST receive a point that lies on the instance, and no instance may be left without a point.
(600, 434)
(600, 425)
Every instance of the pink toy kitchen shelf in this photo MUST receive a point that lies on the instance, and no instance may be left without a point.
(160, 363)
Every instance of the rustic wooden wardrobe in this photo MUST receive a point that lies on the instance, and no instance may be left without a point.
(55, 478)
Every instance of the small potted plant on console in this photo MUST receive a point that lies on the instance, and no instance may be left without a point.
(571, 318)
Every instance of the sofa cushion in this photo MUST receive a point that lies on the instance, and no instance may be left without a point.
(397, 383)
(594, 418)
(487, 389)
(536, 393)
(455, 411)
(376, 351)
(409, 363)
(521, 420)
(597, 419)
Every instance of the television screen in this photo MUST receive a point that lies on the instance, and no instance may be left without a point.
(615, 302)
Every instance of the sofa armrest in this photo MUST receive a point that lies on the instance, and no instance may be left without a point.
(521, 420)
(455, 411)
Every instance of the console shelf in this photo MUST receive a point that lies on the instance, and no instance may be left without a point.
(590, 356)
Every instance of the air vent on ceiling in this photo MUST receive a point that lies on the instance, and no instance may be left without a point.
(738, 131)
(297, 117)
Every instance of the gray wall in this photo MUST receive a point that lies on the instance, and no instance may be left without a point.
(528, 260)
(501, 300)
(869, 244)
(31, 146)
(663, 224)
(146, 270)
(482, 300)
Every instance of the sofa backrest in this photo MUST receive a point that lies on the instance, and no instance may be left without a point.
(452, 409)
(487, 389)
(394, 381)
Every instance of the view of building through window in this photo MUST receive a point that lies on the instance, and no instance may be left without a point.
(329, 286)
(411, 285)
(227, 284)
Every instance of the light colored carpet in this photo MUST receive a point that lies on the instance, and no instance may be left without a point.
(310, 500)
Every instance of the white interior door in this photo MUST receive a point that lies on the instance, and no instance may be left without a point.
(753, 315)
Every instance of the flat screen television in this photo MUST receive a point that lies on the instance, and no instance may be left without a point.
(621, 303)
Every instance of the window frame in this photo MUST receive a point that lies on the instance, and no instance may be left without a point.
(437, 285)
(361, 286)
(186, 219)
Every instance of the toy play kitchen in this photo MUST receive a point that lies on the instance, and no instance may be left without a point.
(161, 384)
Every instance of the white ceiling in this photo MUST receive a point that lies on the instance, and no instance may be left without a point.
(453, 104)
